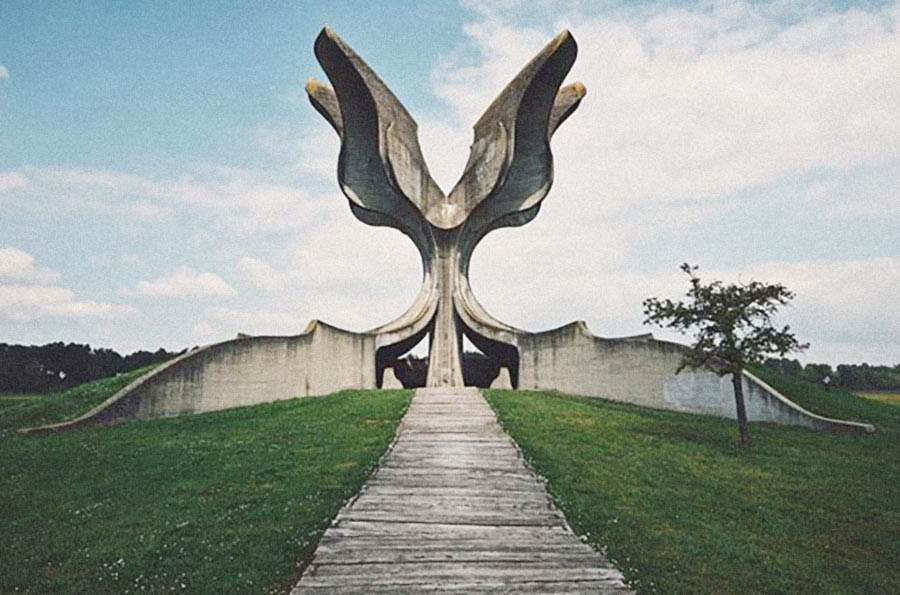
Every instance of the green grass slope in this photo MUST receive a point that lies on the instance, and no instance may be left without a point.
(682, 508)
(834, 402)
(22, 411)
(224, 502)
(882, 396)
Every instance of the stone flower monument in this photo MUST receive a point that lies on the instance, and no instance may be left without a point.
(383, 174)
(384, 177)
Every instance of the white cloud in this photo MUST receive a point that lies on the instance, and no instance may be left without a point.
(183, 282)
(87, 308)
(865, 194)
(205, 331)
(12, 180)
(699, 102)
(18, 264)
(842, 301)
(311, 150)
(118, 182)
(446, 150)
(22, 303)
(223, 323)
(32, 298)
(142, 210)
(688, 109)
(23, 295)
(258, 273)
(4, 73)
(131, 259)
(345, 273)
(241, 200)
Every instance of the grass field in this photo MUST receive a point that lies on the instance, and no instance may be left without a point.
(683, 509)
(882, 396)
(224, 502)
(233, 501)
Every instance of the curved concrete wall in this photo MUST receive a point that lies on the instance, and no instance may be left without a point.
(641, 370)
(243, 371)
(325, 359)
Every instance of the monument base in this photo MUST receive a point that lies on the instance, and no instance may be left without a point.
(325, 359)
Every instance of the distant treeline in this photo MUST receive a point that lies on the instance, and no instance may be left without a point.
(56, 366)
(851, 376)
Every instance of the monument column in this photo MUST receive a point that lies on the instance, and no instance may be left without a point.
(445, 348)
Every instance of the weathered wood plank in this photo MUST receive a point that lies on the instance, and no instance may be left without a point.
(470, 518)
(412, 573)
(452, 497)
(433, 531)
(459, 555)
(543, 587)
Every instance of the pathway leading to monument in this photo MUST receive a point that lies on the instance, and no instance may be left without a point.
(453, 507)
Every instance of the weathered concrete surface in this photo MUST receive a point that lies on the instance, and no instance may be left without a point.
(244, 371)
(325, 359)
(383, 174)
(641, 370)
(452, 507)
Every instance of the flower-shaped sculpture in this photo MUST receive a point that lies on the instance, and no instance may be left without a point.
(383, 174)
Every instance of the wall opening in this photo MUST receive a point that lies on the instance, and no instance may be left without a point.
(483, 361)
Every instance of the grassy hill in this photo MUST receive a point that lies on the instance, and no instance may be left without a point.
(884, 396)
(233, 501)
(21, 411)
(224, 502)
(676, 502)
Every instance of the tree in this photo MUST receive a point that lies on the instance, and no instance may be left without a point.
(733, 325)
(55, 366)
(818, 373)
(784, 366)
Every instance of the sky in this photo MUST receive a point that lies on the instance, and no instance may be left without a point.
(164, 181)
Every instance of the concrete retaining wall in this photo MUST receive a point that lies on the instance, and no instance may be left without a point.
(243, 371)
(641, 370)
(325, 359)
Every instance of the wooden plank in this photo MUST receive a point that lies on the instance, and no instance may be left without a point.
(472, 554)
(466, 517)
(543, 587)
(437, 531)
(443, 497)
(415, 572)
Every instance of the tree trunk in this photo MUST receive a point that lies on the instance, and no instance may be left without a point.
(736, 381)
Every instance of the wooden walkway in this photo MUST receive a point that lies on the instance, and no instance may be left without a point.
(452, 507)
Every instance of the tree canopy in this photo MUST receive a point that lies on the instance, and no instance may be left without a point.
(55, 366)
(851, 376)
(733, 322)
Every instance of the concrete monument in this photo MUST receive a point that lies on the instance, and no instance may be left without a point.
(383, 174)
(384, 177)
